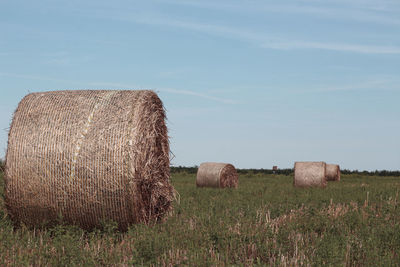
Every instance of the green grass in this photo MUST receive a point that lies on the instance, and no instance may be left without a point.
(265, 221)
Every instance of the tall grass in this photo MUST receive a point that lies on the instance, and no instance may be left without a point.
(265, 221)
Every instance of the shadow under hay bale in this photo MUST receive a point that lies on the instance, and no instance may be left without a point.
(332, 172)
(88, 156)
(218, 175)
(310, 174)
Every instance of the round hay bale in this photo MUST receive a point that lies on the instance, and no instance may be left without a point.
(332, 172)
(85, 157)
(310, 174)
(219, 175)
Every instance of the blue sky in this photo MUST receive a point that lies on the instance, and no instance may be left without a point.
(253, 83)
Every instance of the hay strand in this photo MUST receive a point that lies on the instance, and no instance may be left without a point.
(332, 172)
(218, 175)
(88, 156)
(310, 174)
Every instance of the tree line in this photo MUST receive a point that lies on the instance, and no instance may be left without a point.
(289, 171)
(193, 170)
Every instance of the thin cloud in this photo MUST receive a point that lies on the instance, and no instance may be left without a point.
(334, 9)
(270, 42)
(113, 85)
(373, 11)
(166, 90)
(122, 86)
(35, 77)
(378, 84)
(191, 93)
(341, 47)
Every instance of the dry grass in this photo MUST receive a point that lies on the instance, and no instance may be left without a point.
(265, 222)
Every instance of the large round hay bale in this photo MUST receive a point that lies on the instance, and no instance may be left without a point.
(332, 172)
(220, 175)
(88, 156)
(310, 174)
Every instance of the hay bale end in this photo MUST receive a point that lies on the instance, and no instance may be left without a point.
(310, 174)
(332, 172)
(88, 156)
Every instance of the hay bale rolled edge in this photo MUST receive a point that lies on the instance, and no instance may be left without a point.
(218, 175)
(332, 172)
(88, 156)
(310, 174)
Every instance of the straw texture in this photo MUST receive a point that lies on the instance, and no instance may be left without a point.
(219, 175)
(88, 156)
(310, 174)
(332, 172)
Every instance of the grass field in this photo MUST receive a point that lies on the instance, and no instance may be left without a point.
(355, 222)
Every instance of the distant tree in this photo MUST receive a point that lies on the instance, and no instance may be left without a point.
(180, 169)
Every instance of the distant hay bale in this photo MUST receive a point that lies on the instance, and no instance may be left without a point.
(310, 174)
(85, 157)
(219, 175)
(332, 172)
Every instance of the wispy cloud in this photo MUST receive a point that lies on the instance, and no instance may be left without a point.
(100, 85)
(165, 90)
(383, 12)
(113, 85)
(387, 84)
(64, 58)
(196, 94)
(172, 73)
(35, 77)
(265, 40)
(356, 48)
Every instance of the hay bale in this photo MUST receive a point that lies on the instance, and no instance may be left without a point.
(310, 174)
(332, 172)
(88, 156)
(220, 175)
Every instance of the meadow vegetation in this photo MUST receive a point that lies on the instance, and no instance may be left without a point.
(265, 221)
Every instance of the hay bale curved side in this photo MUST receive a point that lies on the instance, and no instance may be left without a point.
(88, 156)
(332, 172)
(218, 175)
(310, 174)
